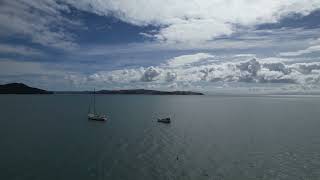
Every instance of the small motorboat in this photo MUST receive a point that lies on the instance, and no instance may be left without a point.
(164, 120)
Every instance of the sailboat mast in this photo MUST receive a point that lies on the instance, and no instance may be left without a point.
(94, 101)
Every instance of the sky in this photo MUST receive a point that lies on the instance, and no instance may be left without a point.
(256, 46)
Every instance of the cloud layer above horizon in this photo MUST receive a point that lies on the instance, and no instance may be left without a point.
(188, 71)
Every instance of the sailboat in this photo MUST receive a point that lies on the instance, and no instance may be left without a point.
(166, 120)
(93, 115)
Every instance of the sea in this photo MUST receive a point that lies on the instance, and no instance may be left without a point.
(48, 137)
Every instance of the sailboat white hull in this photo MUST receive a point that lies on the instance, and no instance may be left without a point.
(96, 117)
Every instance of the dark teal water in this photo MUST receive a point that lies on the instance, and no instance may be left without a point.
(210, 137)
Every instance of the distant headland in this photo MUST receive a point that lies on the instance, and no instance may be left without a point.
(20, 88)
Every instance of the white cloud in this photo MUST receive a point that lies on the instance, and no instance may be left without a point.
(188, 59)
(150, 74)
(245, 55)
(170, 76)
(196, 20)
(193, 31)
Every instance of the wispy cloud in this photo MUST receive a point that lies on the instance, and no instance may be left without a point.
(42, 21)
(284, 39)
(11, 67)
(20, 50)
(308, 50)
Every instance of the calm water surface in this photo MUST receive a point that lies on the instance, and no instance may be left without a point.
(210, 137)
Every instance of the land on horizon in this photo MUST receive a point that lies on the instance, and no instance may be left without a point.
(20, 88)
